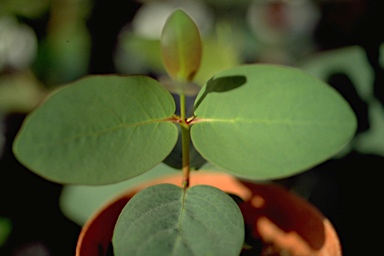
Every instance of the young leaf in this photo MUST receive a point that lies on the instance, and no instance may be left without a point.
(265, 121)
(166, 220)
(181, 46)
(99, 130)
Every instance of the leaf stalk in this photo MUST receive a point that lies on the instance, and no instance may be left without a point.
(185, 142)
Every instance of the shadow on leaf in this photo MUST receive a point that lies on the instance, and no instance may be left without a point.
(221, 84)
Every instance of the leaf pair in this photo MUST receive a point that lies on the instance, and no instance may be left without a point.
(256, 121)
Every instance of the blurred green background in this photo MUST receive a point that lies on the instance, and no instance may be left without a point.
(47, 43)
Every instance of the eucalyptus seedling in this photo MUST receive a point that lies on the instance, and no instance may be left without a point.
(257, 122)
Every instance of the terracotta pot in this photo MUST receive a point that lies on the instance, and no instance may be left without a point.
(282, 221)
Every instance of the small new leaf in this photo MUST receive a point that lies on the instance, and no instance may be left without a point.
(181, 46)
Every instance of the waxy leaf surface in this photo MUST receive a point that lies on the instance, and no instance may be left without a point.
(267, 121)
(181, 46)
(99, 130)
(166, 220)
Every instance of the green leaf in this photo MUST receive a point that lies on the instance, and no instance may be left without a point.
(181, 46)
(99, 130)
(166, 220)
(266, 121)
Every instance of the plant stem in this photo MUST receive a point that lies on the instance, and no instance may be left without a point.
(185, 155)
(182, 107)
(185, 142)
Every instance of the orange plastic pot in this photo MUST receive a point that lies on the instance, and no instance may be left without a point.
(284, 222)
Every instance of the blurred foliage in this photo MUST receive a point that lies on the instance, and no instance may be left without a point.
(350, 62)
(23, 8)
(64, 52)
(20, 93)
(18, 44)
(5, 229)
(42, 45)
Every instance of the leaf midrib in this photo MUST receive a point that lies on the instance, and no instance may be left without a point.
(105, 131)
(269, 122)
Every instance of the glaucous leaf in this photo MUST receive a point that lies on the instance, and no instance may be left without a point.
(99, 130)
(166, 220)
(268, 121)
(181, 46)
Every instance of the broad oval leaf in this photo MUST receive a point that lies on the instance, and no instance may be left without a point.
(166, 220)
(99, 130)
(181, 46)
(267, 121)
